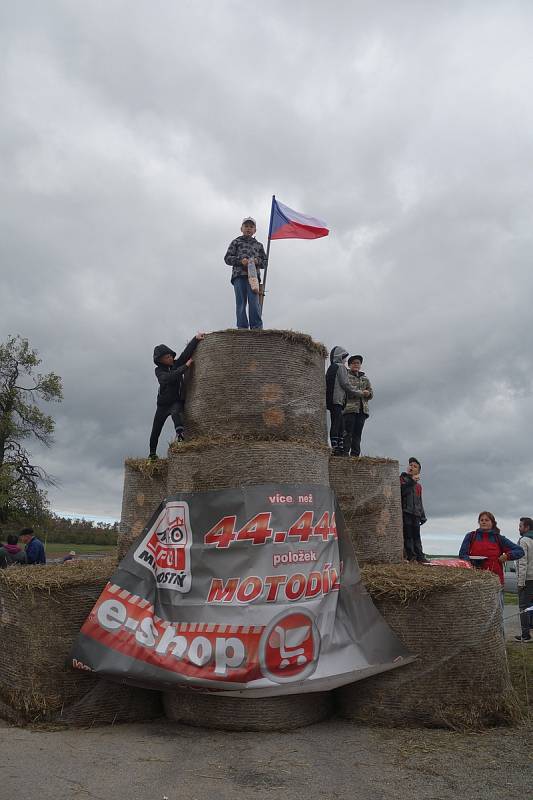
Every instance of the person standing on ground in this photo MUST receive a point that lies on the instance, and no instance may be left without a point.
(524, 578)
(413, 513)
(34, 547)
(487, 549)
(242, 255)
(169, 372)
(356, 408)
(337, 390)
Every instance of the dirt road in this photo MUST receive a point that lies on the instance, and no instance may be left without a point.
(330, 761)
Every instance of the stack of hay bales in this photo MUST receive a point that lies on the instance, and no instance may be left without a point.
(255, 414)
(42, 609)
(451, 618)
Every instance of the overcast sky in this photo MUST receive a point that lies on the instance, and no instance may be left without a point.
(134, 136)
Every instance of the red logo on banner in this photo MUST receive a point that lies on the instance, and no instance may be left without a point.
(289, 647)
(165, 550)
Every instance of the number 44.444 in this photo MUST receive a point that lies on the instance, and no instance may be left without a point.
(258, 530)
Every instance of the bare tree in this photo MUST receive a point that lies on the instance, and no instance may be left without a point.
(21, 419)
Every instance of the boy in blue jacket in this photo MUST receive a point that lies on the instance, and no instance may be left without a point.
(169, 372)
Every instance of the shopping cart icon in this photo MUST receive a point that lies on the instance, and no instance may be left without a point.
(288, 642)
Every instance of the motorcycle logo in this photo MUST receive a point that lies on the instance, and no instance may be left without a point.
(165, 549)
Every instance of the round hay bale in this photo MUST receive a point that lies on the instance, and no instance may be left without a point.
(451, 618)
(144, 488)
(42, 609)
(107, 703)
(368, 492)
(204, 465)
(257, 385)
(245, 713)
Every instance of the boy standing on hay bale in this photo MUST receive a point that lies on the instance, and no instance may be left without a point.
(246, 256)
(413, 513)
(169, 372)
(356, 408)
(338, 388)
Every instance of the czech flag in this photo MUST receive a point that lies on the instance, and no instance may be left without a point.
(288, 224)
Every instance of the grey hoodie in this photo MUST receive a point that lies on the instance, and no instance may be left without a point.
(337, 383)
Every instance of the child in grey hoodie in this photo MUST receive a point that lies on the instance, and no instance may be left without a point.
(337, 389)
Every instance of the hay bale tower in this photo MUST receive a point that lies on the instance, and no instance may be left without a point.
(451, 618)
(255, 413)
(368, 491)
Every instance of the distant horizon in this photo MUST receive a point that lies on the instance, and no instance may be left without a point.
(436, 539)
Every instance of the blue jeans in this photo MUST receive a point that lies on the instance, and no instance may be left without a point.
(243, 293)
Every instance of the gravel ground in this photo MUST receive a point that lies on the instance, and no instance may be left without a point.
(329, 761)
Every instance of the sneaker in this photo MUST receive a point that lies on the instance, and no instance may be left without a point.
(180, 436)
(153, 457)
(523, 639)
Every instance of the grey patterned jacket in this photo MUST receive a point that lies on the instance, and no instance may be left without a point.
(358, 382)
(245, 247)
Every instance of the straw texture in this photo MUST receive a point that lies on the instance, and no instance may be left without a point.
(144, 488)
(255, 384)
(247, 714)
(108, 703)
(222, 465)
(452, 620)
(41, 611)
(368, 491)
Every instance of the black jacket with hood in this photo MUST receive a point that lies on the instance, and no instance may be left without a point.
(171, 384)
(337, 383)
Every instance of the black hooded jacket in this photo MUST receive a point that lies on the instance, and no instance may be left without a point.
(337, 384)
(171, 385)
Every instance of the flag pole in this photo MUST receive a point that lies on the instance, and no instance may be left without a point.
(268, 250)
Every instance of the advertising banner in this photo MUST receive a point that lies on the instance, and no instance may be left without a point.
(254, 591)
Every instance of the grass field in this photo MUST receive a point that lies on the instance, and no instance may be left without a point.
(521, 667)
(61, 548)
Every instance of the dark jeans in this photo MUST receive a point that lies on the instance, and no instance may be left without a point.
(336, 431)
(411, 538)
(161, 415)
(525, 599)
(243, 295)
(353, 425)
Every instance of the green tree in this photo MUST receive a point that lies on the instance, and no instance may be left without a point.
(21, 419)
